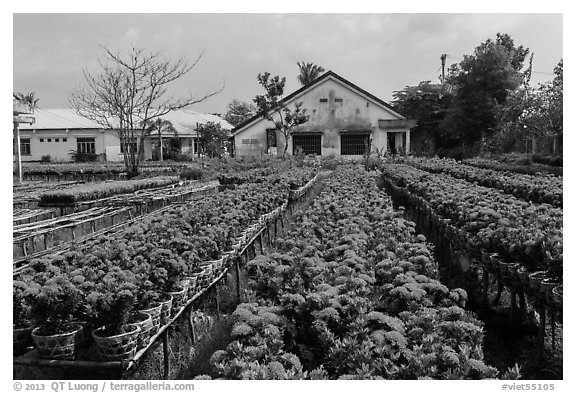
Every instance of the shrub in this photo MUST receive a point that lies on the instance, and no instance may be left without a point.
(46, 158)
(329, 163)
(84, 157)
(193, 174)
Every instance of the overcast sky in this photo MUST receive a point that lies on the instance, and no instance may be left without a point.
(378, 52)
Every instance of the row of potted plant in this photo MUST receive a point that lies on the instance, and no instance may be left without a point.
(495, 222)
(350, 293)
(513, 165)
(536, 188)
(106, 281)
(92, 191)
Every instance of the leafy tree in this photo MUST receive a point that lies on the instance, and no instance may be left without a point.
(428, 103)
(308, 72)
(482, 82)
(532, 112)
(274, 109)
(213, 139)
(239, 111)
(129, 93)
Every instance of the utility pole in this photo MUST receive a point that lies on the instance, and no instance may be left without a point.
(443, 59)
(19, 108)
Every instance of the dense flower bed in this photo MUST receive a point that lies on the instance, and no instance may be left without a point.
(92, 191)
(533, 169)
(535, 188)
(350, 293)
(101, 281)
(530, 234)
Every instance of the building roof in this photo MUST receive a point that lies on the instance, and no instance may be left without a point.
(183, 120)
(315, 82)
(59, 119)
(186, 120)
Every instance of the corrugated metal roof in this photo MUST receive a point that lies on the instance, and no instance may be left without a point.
(58, 119)
(183, 120)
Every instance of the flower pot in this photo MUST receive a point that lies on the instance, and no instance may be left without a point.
(523, 277)
(145, 326)
(179, 297)
(546, 287)
(219, 266)
(557, 293)
(166, 310)
(119, 347)
(192, 284)
(535, 279)
(21, 340)
(62, 346)
(207, 273)
(154, 313)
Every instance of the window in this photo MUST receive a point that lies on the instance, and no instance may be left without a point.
(86, 145)
(338, 100)
(64, 139)
(25, 147)
(308, 144)
(271, 139)
(41, 139)
(353, 144)
(49, 139)
(323, 99)
(57, 140)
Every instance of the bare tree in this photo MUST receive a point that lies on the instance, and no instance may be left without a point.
(129, 93)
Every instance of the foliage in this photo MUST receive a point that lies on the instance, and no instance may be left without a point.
(111, 300)
(534, 111)
(482, 82)
(46, 158)
(308, 72)
(213, 139)
(161, 126)
(535, 188)
(193, 174)
(521, 232)
(130, 92)
(347, 294)
(427, 103)
(20, 311)
(104, 278)
(29, 99)
(274, 109)
(80, 156)
(91, 191)
(239, 111)
(53, 300)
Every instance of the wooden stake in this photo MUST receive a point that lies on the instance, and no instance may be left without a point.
(166, 355)
(238, 293)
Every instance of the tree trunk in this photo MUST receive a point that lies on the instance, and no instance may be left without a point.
(161, 155)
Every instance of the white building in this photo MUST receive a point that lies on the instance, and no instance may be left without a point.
(343, 119)
(60, 133)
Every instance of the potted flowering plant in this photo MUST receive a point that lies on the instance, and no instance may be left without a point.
(22, 329)
(52, 308)
(112, 301)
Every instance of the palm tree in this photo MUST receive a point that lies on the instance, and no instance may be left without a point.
(162, 125)
(29, 99)
(309, 72)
